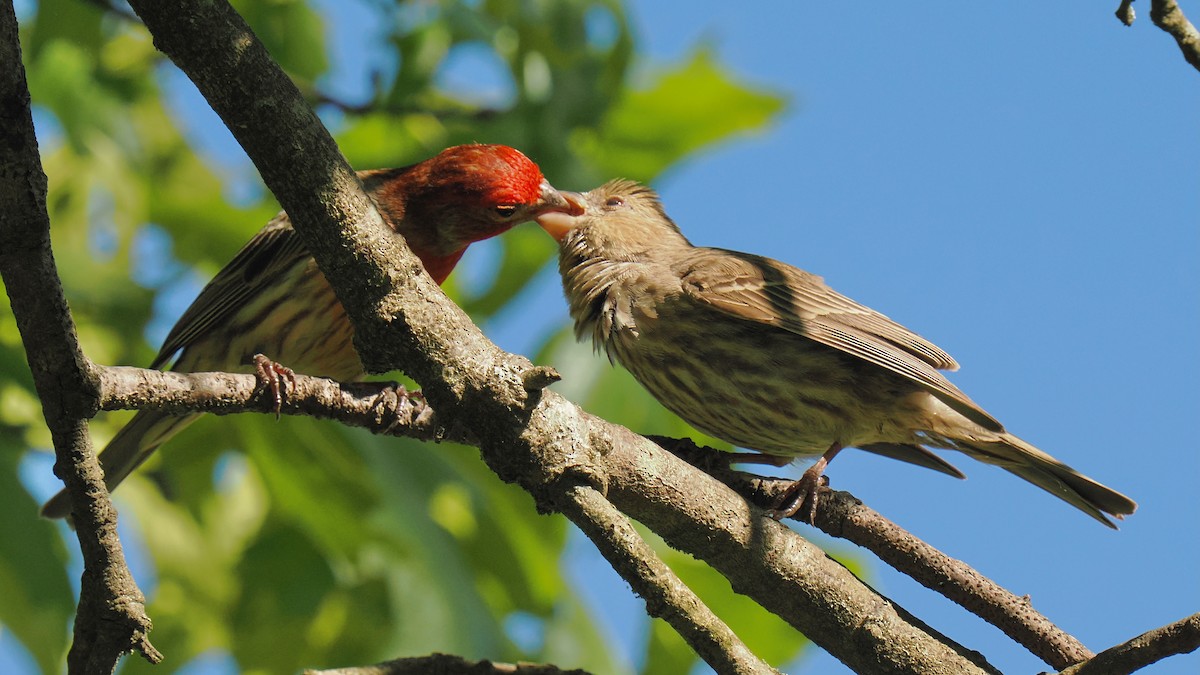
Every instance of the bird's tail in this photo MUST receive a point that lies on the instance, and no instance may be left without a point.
(1046, 472)
(132, 445)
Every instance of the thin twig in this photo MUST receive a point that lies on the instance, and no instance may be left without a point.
(379, 407)
(1181, 637)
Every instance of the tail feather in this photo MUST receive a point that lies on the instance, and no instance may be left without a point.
(1037, 467)
(914, 454)
(132, 445)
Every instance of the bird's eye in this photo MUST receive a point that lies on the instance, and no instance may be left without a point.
(506, 210)
(615, 201)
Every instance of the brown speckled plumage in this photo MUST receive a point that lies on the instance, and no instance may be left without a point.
(766, 356)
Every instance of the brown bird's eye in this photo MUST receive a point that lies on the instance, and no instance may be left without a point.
(506, 210)
(615, 201)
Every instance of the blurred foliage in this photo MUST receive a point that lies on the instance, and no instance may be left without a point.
(249, 533)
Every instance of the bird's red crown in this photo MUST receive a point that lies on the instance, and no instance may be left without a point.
(498, 174)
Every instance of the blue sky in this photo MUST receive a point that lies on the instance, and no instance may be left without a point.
(1021, 187)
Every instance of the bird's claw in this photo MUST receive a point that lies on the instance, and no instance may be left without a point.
(800, 496)
(400, 415)
(271, 376)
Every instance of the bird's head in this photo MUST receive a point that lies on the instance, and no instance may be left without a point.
(462, 195)
(621, 219)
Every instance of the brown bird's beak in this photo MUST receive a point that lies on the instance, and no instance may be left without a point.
(558, 223)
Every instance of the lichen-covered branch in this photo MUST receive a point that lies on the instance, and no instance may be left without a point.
(111, 620)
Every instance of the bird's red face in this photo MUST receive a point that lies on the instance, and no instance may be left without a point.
(483, 190)
(464, 194)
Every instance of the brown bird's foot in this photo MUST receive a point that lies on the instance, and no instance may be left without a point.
(401, 415)
(802, 494)
(271, 376)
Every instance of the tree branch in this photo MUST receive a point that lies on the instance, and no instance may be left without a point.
(690, 510)
(1181, 637)
(666, 596)
(448, 664)
(842, 515)
(380, 407)
(1167, 15)
(111, 619)
(372, 406)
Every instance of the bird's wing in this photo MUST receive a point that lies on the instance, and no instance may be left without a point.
(773, 293)
(273, 250)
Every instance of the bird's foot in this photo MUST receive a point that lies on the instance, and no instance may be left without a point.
(801, 495)
(401, 413)
(271, 375)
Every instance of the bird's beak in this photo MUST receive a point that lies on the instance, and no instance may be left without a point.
(558, 223)
(552, 199)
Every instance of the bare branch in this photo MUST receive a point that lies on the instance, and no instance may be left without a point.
(111, 620)
(1181, 637)
(666, 596)
(448, 664)
(1166, 15)
(380, 407)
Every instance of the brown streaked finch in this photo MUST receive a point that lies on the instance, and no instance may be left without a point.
(767, 357)
(272, 299)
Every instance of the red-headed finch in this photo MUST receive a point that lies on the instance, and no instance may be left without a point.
(767, 357)
(271, 298)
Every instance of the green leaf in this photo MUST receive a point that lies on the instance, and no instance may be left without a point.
(284, 580)
(432, 579)
(687, 108)
(769, 637)
(666, 651)
(37, 601)
(315, 477)
(573, 640)
(79, 24)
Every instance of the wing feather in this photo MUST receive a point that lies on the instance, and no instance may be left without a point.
(271, 251)
(767, 291)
